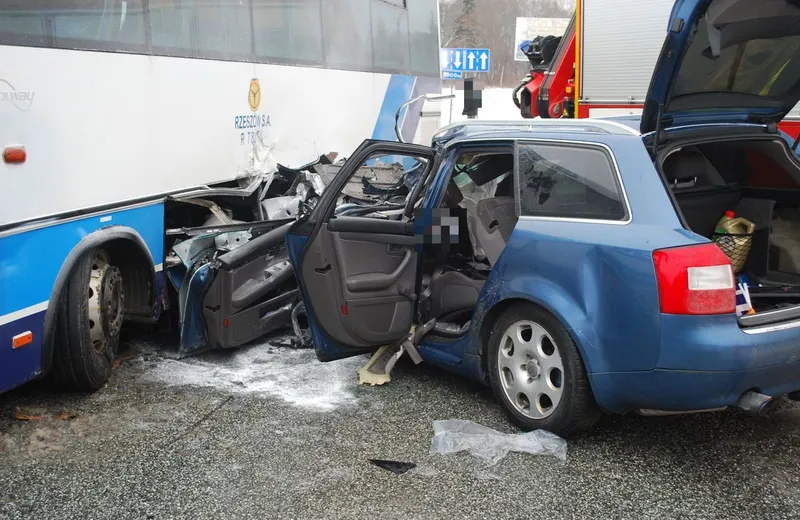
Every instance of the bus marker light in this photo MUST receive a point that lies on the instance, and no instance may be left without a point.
(14, 155)
(20, 340)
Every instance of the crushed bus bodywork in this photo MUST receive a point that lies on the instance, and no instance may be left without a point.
(226, 252)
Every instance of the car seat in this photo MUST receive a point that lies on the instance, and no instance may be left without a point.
(490, 227)
(497, 217)
(701, 192)
(451, 292)
(448, 291)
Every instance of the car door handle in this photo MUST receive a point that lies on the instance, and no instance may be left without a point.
(378, 281)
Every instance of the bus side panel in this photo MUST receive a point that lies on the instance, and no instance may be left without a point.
(163, 124)
(22, 364)
(29, 264)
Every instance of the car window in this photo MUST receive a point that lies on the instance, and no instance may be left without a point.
(568, 181)
(380, 187)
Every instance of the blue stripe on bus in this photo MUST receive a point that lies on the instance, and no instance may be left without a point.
(23, 364)
(398, 92)
(30, 261)
(29, 264)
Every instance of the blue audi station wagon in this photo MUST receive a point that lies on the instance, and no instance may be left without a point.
(589, 272)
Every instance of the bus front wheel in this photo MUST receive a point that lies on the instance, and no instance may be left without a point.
(89, 321)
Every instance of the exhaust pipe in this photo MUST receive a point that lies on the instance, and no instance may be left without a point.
(754, 403)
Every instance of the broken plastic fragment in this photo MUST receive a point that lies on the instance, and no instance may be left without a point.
(316, 182)
(379, 366)
(300, 325)
(280, 208)
(393, 465)
(26, 416)
(490, 445)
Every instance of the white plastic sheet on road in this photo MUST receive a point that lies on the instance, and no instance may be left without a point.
(490, 445)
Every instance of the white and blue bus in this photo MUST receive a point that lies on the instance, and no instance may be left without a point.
(109, 109)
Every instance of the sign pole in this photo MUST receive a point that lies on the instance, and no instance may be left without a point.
(452, 101)
(464, 64)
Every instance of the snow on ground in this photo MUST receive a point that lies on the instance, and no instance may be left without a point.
(497, 104)
(296, 376)
(293, 376)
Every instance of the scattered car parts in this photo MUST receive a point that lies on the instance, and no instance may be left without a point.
(229, 263)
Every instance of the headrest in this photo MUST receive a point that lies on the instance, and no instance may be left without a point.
(690, 163)
(498, 213)
(452, 195)
(491, 168)
(505, 188)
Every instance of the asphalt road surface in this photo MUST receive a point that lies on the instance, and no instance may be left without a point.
(268, 432)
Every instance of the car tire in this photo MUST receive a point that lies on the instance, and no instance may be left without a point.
(88, 324)
(533, 362)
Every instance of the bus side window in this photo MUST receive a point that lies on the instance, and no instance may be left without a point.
(171, 28)
(21, 26)
(82, 24)
(223, 29)
(117, 23)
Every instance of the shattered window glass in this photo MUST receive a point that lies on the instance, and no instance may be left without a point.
(568, 182)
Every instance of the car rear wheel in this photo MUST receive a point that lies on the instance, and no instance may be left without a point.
(88, 324)
(537, 373)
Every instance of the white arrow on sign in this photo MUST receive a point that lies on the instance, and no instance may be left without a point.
(471, 60)
(457, 61)
(484, 59)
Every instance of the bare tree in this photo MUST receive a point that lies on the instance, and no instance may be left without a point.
(466, 25)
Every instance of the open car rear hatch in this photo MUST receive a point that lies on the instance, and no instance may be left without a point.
(726, 61)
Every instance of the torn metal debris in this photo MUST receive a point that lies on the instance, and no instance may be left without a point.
(228, 261)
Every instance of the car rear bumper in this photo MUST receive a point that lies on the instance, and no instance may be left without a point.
(688, 390)
(705, 363)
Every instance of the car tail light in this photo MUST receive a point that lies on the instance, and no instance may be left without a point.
(695, 280)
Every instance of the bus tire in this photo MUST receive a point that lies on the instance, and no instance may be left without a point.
(88, 324)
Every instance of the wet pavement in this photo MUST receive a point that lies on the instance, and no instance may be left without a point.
(269, 432)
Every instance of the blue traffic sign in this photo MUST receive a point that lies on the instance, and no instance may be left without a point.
(451, 74)
(466, 60)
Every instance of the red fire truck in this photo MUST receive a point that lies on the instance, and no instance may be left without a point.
(601, 65)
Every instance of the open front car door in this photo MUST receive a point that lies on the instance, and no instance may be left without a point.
(354, 255)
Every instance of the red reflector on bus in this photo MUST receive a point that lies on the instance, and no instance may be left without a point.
(20, 340)
(344, 310)
(14, 155)
(225, 323)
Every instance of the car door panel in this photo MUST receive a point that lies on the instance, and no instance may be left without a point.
(252, 291)
(365, 289)
(357, 274)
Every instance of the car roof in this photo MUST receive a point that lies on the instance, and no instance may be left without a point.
(525, 128)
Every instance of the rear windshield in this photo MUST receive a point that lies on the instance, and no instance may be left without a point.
(744, 52)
